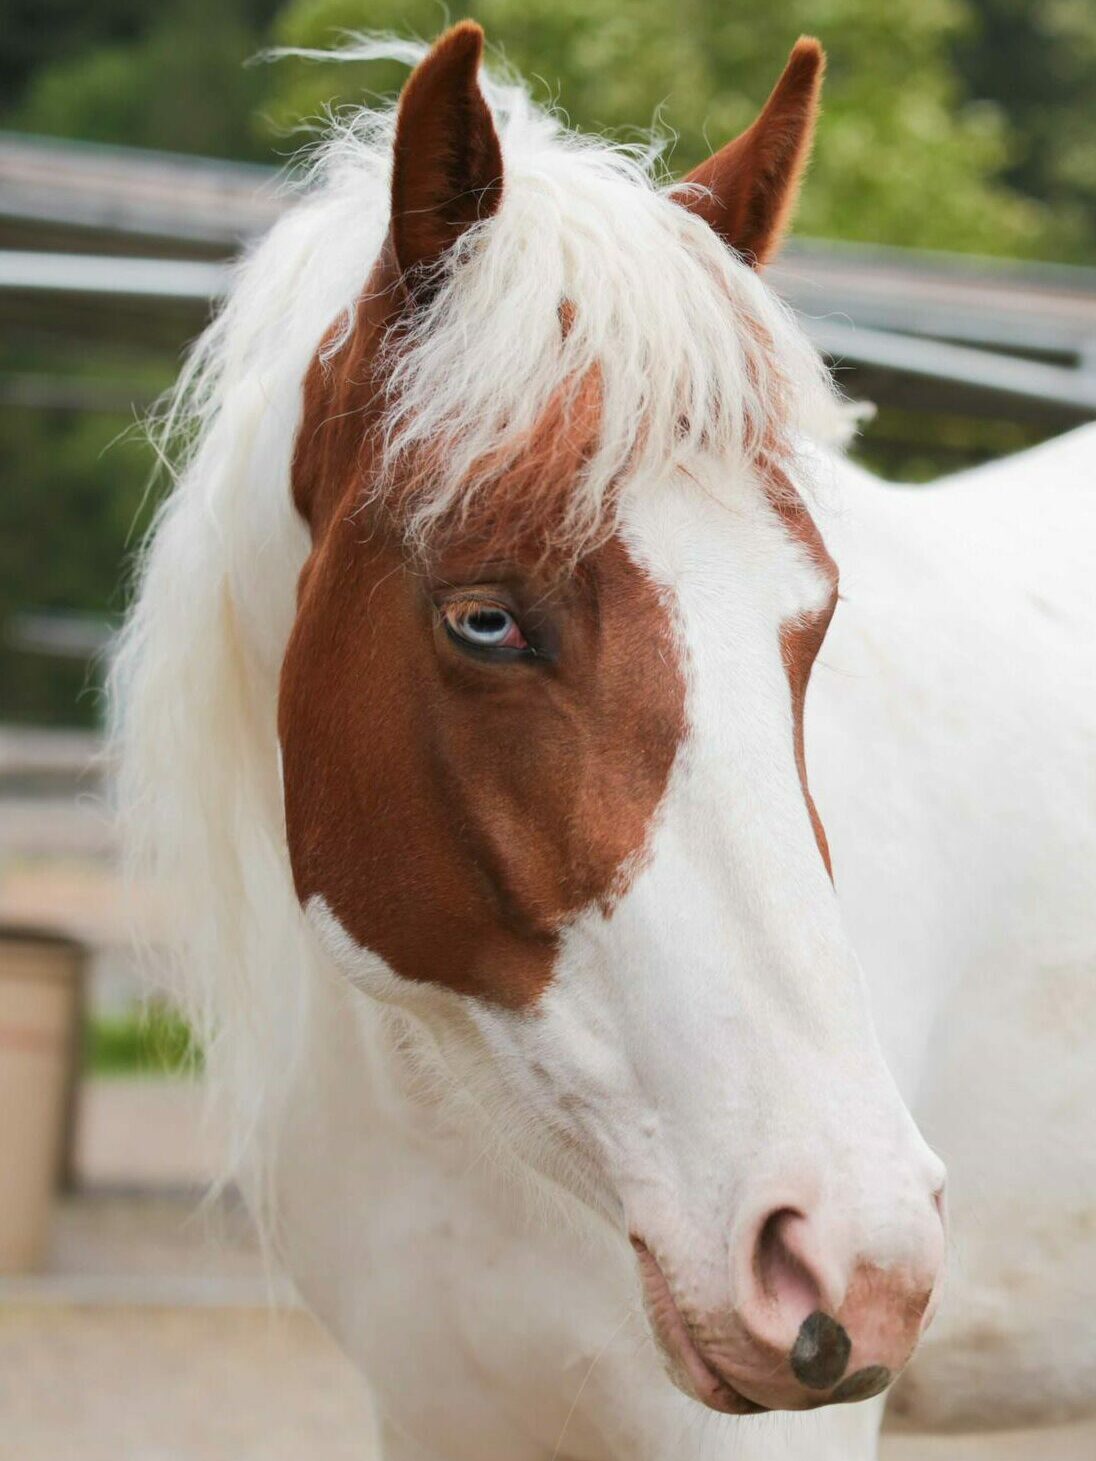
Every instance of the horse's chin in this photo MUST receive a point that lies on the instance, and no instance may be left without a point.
(687, 1367)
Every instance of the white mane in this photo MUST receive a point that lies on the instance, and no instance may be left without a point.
(692, 349)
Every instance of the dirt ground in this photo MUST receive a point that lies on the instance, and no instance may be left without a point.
(97, 1383)
(151, 1337)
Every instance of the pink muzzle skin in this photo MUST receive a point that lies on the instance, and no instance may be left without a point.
(785, 1351)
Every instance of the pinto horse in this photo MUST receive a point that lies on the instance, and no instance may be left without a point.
(462, 710)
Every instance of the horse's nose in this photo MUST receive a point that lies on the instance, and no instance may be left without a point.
(826, 1300)
(827, 1318)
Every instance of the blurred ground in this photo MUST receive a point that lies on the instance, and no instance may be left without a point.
(155, 1332)
(112, 1383)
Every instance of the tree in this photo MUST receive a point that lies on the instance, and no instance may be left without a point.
(1038, 63)
(901, 157)
(958, 124)
(38, 33)
(70, 503)
(179, 80)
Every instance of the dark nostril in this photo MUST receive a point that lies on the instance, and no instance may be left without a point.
(821, 1352)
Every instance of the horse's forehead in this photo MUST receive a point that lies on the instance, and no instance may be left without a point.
(452, 828)
(521, 497)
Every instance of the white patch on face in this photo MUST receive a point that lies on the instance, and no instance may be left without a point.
(366, 970)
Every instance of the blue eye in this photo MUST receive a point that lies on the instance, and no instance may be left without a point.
(484, 626)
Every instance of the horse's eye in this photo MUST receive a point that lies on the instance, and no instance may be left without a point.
(484, 626)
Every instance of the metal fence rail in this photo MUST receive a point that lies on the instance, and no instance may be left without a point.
(118, 244)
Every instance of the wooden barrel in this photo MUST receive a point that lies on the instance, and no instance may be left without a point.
(40, 980)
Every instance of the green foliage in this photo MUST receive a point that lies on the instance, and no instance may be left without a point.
(921, 446)
(179, 81)
(73, 487)
(39, 32)
(1038, 62)
(901, 157)
(153, 1042)
(957, 124)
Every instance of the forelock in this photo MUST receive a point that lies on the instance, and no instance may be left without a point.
(590, 278)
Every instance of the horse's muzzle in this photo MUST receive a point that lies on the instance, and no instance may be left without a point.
(799, 1333)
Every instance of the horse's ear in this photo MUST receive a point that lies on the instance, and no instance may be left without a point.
(447, 163)
(752, 183)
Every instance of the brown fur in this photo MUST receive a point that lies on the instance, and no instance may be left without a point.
(447, 163)
(455, 814)
(801, 640)
(753, 181)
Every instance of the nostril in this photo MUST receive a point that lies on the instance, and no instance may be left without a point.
(781, 1272)
(820, 1355)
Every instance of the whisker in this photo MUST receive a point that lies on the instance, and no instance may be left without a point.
(586, 1380)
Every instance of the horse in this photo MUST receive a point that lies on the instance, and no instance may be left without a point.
(462, 709)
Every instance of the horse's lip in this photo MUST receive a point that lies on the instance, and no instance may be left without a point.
(674, 1338)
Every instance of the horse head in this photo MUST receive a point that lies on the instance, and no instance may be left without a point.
(541, 724)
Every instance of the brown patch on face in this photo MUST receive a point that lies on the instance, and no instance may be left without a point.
(456, 812)
(801, 640)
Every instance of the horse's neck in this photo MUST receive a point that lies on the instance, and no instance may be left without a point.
(942, 722)
(378, 1142)
(1026, 520)
(372, 1066)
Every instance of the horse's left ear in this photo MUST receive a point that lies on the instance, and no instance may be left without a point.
(447, 162)
(752, 183)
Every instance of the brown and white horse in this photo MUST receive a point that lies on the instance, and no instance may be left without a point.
(462, 706)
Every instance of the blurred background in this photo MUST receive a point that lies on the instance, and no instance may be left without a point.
(952, 202)
(944, 261)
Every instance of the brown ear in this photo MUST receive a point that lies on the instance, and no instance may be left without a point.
(447, 163)
(753, 182)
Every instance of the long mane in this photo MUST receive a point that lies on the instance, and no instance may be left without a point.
(693, 353)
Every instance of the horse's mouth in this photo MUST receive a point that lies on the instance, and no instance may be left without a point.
(689, 1369)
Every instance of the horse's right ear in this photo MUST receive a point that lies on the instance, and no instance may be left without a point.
(447, 162)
